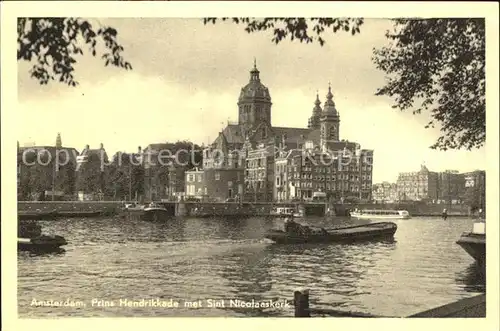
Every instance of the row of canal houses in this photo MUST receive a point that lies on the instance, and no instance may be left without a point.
(249, 160)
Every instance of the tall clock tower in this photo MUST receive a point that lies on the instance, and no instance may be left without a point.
(329, 121)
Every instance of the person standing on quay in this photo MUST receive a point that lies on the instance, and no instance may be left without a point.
(444, 214)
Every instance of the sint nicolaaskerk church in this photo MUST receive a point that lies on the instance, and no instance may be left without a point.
(253, 160)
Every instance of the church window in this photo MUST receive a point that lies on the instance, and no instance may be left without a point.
(333, 132)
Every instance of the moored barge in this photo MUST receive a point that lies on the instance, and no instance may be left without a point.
(295, 233)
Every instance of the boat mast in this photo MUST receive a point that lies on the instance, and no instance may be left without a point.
(54, 172)
(130, 179)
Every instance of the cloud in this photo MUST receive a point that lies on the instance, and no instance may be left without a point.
(186, 82)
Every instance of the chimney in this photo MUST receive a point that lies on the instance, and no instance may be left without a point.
(87, 147)
(102, 146)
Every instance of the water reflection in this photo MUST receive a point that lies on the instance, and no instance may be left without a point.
(334, 272)
(247, 272)
(195, 258)
(473, 278)
(172, 230)
(41, 253)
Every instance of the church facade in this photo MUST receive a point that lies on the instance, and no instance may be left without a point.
(261, 153)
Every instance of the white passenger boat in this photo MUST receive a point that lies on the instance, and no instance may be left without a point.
(380, 214)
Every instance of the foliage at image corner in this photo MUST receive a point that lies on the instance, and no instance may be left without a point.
(52, 45)
(304, 30)
(438, 66)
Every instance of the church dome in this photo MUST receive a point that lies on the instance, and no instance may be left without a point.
(254, 90)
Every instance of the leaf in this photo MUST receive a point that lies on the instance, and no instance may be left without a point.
(53, 43)
(438, 65)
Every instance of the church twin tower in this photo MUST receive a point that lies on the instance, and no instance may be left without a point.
(254, 107)
(327, 120)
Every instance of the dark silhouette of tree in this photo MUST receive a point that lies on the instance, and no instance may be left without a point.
(53, 44)
(187, 153)
(68, 178)
(40, 173)
(438, 65)
(138, 180)
(305, 30)
(123, 177)
(90, 175)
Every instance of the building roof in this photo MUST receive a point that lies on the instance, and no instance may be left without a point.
(314, 135)
(73, 152)
(234, 133)
(292, 135)
(87, 152)
(159, 146)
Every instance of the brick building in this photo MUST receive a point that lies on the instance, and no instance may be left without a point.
(256, 142)
(195, 183)
(385, 192)
(475, 189)
(224, 183)
(343, 175)
(421, 185)
(451, 186)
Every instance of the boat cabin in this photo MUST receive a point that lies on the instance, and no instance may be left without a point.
(284, 211)
(383, 212)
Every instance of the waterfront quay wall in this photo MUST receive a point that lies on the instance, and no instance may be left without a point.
(69, 206)
(207, 209)
(196, 209)
(203, 209)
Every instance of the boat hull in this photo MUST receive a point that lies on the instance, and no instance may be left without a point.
(26, 216)
(155, 215)
(23, 216)
(375, 231)
(42, 243)
(474, 245)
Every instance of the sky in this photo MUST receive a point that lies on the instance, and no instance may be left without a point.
(185, 84)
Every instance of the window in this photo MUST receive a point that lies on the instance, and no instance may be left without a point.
(217, 176)
(190, 178)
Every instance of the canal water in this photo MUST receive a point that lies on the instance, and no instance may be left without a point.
(183, 261)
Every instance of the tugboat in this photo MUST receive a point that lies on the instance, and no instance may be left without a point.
(474, 242)
(154, 212)
(31, 238)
